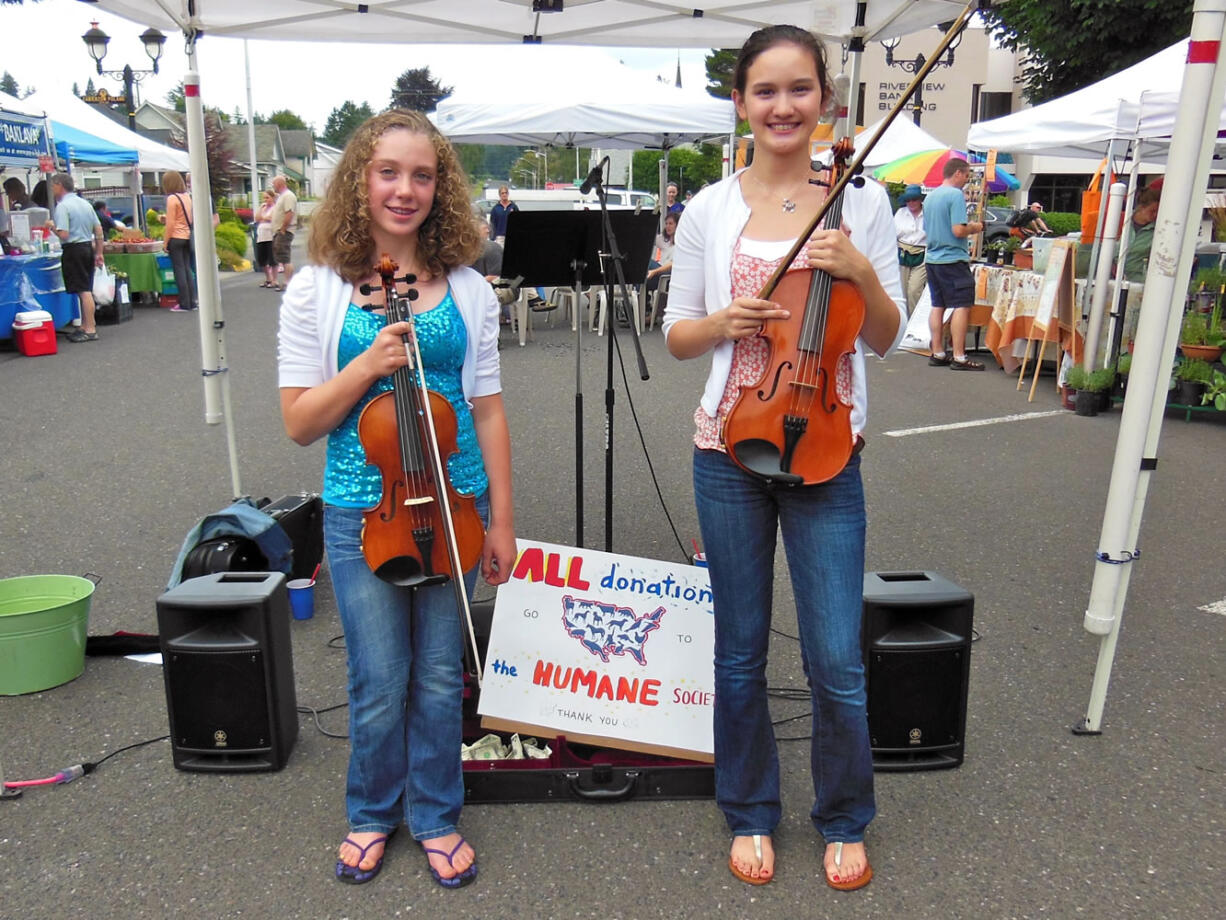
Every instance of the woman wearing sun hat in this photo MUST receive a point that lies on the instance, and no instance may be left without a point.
(912, 241)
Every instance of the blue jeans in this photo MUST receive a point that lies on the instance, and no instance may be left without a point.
(823, 535)
(405, 648)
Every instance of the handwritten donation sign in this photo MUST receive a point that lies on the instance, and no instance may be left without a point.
(606, 649)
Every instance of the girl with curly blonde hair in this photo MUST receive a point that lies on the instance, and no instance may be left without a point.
(399, 191)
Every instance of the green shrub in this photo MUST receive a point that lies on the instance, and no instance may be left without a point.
(1062, 223)
(1000, 201)
(226, 213)
(1195, 370)
(1101, 380)
(230, 235)
(1124, 364)
(1077, 378)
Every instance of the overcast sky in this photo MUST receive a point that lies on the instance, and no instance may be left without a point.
(42, 47)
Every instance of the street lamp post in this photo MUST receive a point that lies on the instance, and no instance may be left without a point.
(96, 41)
(915, 66)
(544, 158)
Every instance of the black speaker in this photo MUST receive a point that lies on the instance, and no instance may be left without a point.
(301, 516)
(916, 641)
(229, 671)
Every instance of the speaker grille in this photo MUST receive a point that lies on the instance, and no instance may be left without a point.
(216, 699)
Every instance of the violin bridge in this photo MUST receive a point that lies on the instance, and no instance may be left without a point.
(419, 500)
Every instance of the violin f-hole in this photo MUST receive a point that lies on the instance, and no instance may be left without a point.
(767, 397)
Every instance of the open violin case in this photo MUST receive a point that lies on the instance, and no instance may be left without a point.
(573, 770)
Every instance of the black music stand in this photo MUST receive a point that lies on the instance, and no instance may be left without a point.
(564, 248)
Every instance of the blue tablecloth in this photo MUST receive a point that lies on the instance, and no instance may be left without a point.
(33, 283)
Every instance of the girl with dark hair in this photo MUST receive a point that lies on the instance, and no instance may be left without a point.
(733, 236)
(398, 190)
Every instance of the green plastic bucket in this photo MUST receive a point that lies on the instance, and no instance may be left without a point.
(43, 624)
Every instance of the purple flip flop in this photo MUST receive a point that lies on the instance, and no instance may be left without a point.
(460, 879)
(354, 875)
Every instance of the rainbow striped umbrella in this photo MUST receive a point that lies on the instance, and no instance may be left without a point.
(924, 168)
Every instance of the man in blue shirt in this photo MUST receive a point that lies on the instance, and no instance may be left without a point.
(949, 265)
(80, 232)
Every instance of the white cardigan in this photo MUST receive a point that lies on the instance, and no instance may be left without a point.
(313, 314)
(702, 271)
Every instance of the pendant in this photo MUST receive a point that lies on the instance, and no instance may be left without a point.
(788, 206)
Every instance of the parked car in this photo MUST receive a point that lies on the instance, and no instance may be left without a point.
(120, 206)
(994, 226)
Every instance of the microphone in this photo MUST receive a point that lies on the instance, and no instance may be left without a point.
(593, 177)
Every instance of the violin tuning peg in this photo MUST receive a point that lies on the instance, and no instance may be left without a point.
(820, 182)
(408, 279)
(411, 294)
(365, 289)
(858, 181)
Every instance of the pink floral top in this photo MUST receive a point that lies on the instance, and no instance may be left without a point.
(750, 355)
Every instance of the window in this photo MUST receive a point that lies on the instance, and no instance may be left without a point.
(1059, 191)
(994, 105)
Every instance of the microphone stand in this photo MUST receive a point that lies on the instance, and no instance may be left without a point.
(611, 254)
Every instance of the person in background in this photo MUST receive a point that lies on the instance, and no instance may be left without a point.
(737, 234)
(178, 238)
(912, 242)
(489, 266)
(1144, 213)
(1029, 222)
(670, 199)
(19, 198)
(498, 215)
(948, 263)
(104, 217)
(263, 238)
(661, 262)
(284, 214)
(80, 232)
(398, 190)
(38, 197)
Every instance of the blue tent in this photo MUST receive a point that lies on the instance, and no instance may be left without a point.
(77, 146)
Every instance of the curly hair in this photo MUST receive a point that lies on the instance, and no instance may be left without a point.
(341, 227)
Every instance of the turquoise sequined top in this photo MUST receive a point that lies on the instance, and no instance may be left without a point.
(349, 481)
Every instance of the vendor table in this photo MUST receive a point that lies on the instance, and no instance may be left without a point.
(1013, 297)
(33, 282)
(141, 269)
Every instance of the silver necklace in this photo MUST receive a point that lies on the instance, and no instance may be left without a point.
(789, 206)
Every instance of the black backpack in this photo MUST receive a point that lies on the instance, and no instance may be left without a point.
(1018, 218)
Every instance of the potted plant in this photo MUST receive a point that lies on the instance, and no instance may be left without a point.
(1192, 375)
(1100, 384)
(1086, 400)
(1215, 392)
(1023, 257)
(1010, 249)
(1200, 336)
(1074, 379)
(994, 251)
(1207, 286)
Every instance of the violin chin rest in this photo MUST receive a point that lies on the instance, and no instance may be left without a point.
(762, 458)
(406, 571)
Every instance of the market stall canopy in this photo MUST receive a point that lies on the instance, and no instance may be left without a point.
(628, 23)
(605, 105)
(67, 109)
(927, 168)
(902, 137)
(1138, 104)
(23, 133)
(75, 146)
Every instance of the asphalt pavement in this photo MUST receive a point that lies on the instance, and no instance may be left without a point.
(108, 463)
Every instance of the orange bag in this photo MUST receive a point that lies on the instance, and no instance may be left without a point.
(1091, 202)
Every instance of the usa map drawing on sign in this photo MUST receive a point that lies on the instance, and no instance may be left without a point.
(606, 629)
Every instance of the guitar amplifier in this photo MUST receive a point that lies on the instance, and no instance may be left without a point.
(301, 516)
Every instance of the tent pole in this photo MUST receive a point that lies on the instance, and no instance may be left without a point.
(1098, 299)
(212, 324)
(1204, 81)
(255, 171)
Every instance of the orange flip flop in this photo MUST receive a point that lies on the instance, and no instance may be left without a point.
(864, 878)
(745, 876)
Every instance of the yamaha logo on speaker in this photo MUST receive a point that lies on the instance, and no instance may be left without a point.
(915, 736)
(219, 738)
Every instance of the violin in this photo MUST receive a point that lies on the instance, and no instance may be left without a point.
(791, 425)
(422, 531)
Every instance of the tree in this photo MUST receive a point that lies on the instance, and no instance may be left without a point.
(9, 85)
(175, 98)
(217, 151)
(1072, 44)
(690, 167)
(287, 120)
(719, 73)
(416, 89)
(343, 121)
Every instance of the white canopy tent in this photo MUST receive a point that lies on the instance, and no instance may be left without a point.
(903, 137)
(612, 107)
(1138, 105)
(72, 111)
